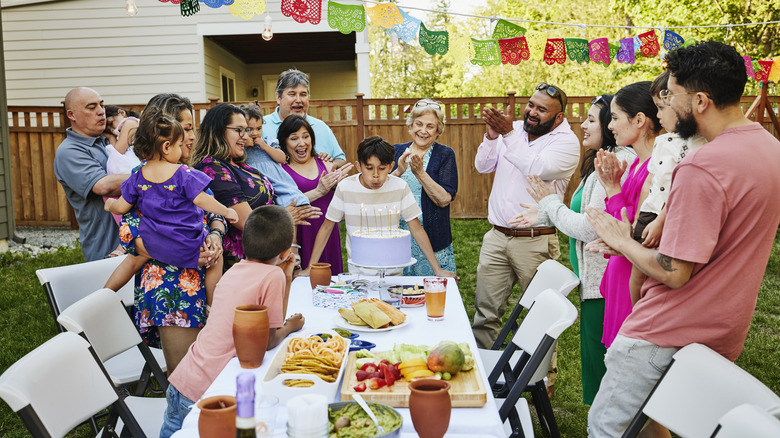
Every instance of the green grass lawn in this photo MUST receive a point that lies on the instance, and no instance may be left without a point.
(27, 322)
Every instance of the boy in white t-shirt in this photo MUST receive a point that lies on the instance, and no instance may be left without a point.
(668, 150)
(373, 190)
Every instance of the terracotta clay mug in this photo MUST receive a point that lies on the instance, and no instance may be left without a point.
(217, 416)
(430, 407)
(320, 274)
(250, 334)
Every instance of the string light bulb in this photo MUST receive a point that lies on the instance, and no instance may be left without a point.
(130, 8)
(267, 32)
(394, 42)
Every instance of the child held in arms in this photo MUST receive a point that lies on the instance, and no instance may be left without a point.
(263, 278)
(373, 190)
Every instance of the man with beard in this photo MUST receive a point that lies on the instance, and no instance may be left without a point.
(722, 217)
(80, 167)
(542, 144)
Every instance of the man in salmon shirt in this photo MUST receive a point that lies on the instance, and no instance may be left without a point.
(722, 217)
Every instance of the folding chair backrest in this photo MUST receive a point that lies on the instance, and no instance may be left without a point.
(57, 386)
(101, 317)
(551, 314)
(699, 387)
(747, 421)
(549, 275)
(64, 285)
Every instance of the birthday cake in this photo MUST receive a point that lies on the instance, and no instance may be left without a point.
(383, 247)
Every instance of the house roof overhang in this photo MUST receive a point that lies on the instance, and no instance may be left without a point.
(289, 47)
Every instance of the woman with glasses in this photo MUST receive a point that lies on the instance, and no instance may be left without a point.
(588, 266)
(219, 153)
(430, 171)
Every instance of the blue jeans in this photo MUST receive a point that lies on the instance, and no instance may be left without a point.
(178, 408)
(633, 368)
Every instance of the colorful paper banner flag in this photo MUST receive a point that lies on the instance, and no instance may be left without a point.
(303, 10)
(749, 67)
(461, 48)
(435, 42)
(514, 50)
(536, 43)
(189, 7)
(555, 51)
(689, 42)
(774, 74)
(247, 9)
(217, 3)
(599, 50)
(637, 44)
(613, 49)
(577, 49)
(650, 46)
(407, 30)
(346, 18)
(173, 2)
(385, 15)
(486, 52)
(672, 40)
(505, 30)
(626, 54)
(763, 74)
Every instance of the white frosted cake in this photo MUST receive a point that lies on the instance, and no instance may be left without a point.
(387, 247)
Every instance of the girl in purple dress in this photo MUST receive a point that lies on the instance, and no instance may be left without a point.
(315, 179)
(171, 197)
(634, 123)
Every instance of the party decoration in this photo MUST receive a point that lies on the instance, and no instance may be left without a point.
(536, 43)
(577, 49)
(672, 40)
(407, 30)
(626, 54)
(637, 44)
(346, 18)
(461, 48)
(555, 51)
(613, 49)
(434, 41)
(303, 10)
(749, 67)
(173, 2)
(217, 3)
(189, 7)
(763, 74)
(486, 52)
(599, 50)
(514, 50)
(650, 46)
(504, 30)
(385, 15)
(247, 9)
(689, 42)
(774, 74)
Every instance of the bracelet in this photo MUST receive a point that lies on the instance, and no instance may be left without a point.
(295, 245)
(219, 233)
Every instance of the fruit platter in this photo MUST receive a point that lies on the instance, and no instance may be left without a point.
(383, 376)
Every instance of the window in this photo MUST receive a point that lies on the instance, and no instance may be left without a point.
(228, 85)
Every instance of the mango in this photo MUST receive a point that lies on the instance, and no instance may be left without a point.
(409, 370)
(414, 362)
(418, 373)
(446, 357)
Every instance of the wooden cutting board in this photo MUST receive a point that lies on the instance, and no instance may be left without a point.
(466, 389)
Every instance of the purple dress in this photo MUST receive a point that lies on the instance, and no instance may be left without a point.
(615, 283)
(171, 226)
(306, 234)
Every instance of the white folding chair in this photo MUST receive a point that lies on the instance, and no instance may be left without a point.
(101, 319)
(747, 421)
(59, 385)
(551, 314)
(697, 389)
(64, 285)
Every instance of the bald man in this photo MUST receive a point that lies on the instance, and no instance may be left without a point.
(80, 167)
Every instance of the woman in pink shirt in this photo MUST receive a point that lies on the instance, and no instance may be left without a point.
(634, 123)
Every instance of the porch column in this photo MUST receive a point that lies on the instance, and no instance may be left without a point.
(363, 74)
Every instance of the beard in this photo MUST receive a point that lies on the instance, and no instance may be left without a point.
(686, 126)
(540, 128)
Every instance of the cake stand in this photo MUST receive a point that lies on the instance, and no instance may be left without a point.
(381, 270)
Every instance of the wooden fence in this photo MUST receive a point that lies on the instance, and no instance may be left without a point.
(36, 132)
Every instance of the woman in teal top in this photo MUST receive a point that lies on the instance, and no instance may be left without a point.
(572, 222)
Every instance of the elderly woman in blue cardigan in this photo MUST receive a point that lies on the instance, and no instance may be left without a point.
(430, 170)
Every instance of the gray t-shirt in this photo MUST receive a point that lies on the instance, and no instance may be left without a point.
(78, 165)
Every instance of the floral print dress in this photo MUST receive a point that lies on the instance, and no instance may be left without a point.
(233, 184)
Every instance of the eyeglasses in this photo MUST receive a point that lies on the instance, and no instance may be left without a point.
(599, 99)
(241, 130)
(666, 95)
(554, 92)
(425, 103)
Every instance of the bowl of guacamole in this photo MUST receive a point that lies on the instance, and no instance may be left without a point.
(347, 420)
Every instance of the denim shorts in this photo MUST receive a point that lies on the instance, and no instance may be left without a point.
(178, 408)
(633, 368)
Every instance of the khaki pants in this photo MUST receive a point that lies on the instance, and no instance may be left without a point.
(503, 261)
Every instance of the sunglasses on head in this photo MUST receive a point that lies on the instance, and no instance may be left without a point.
(599, 99)
(553, 92)
(424, 103)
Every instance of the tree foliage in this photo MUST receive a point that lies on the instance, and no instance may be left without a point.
(406, 70)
